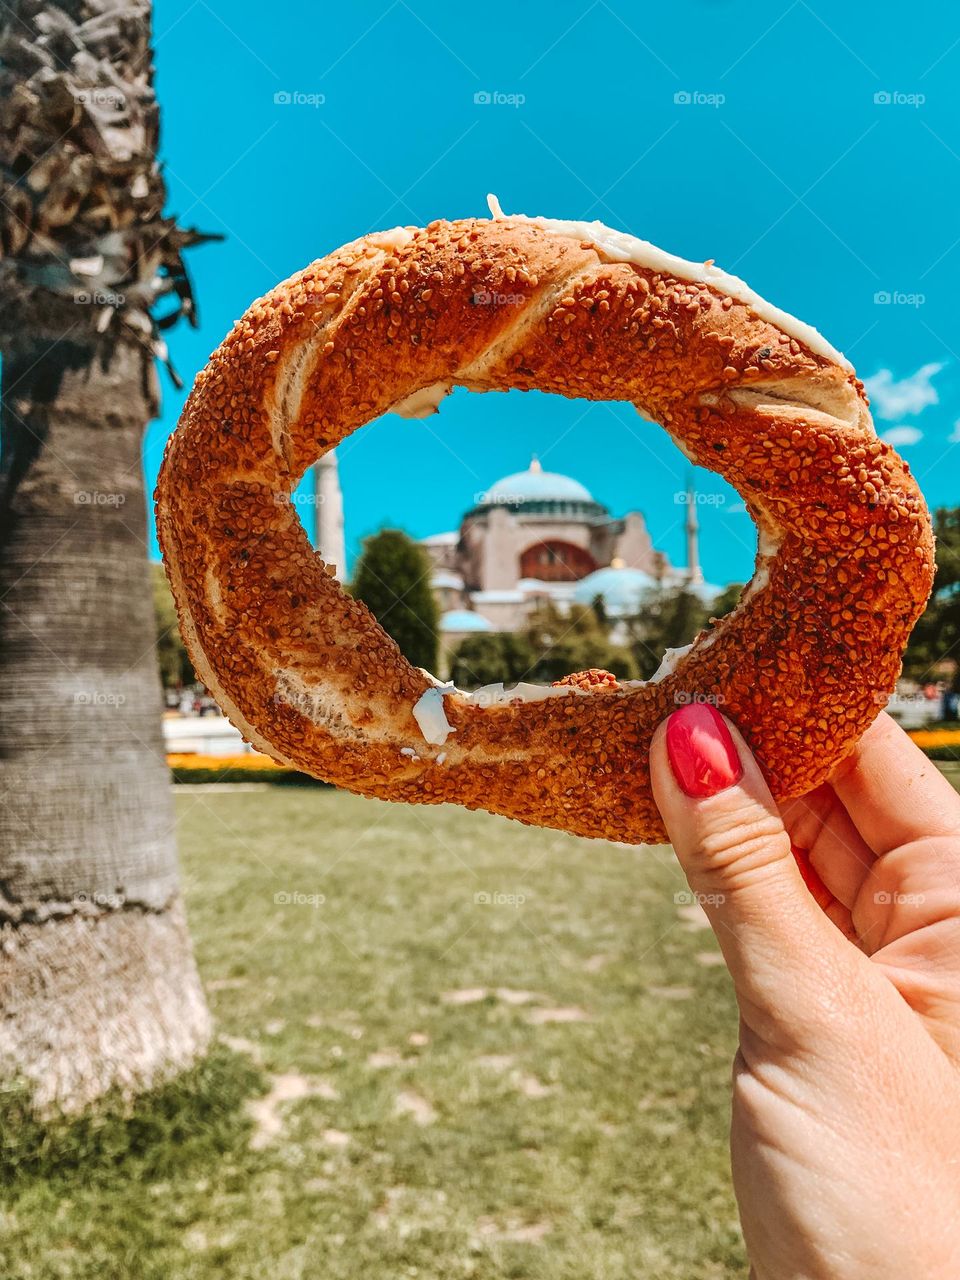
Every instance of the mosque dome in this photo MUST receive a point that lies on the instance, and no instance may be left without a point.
(621, 589)
(464, 620)
(539, 491)
(537, 485)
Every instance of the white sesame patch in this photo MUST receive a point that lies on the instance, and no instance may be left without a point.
(669, 663)
(429, 713)
(618, 246)
(421, 403)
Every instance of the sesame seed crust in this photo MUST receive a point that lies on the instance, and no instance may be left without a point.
(803, 665)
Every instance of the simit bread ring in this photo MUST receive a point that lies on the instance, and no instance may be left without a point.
(392, 322)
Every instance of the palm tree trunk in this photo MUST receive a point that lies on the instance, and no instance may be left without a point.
(98, 986)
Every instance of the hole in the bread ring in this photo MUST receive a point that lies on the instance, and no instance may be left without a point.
(550, 552)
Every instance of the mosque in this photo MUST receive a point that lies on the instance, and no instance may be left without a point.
(540, 536)
(532, 537)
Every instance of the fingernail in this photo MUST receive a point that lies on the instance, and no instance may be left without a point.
(701, 751)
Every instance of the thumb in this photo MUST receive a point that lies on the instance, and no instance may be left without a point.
(783, 953)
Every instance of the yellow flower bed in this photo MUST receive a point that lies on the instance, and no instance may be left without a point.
(927, 738)
(195, 760)
(249, 766)
(254, 762)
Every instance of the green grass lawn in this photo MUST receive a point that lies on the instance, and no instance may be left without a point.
(413, 1080)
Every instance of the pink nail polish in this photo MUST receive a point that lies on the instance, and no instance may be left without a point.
(702, 755)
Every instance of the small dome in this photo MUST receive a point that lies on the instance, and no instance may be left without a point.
(536, 485)
(464, 620)
(446, 578)
(621, 590)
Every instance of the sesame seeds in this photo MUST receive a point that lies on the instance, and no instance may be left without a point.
(800, 665)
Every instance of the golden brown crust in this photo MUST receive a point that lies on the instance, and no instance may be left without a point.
(802, 666)
(593, 678)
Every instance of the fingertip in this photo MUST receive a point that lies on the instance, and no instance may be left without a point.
(701, 752)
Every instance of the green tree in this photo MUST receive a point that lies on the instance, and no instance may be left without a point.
(727, 600)
(176, 668)
(599, 607)
(936, 636)
(564, 643)
(670, 618)
(485, 659)
(392, 578)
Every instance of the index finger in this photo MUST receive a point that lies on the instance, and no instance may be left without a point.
(893, 793)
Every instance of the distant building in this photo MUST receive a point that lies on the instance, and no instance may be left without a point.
(328, 514)
(539, 536)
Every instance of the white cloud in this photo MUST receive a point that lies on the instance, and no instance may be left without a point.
(893, 398)
(954, 437)
(899, 437)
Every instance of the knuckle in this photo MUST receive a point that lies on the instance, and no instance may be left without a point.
(738, 846)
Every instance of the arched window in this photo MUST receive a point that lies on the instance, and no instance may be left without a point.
(556, 561)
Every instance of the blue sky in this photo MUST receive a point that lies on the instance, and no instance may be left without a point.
(812, 149)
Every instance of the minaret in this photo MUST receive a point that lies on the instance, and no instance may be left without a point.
(328, 521)
(694, 572)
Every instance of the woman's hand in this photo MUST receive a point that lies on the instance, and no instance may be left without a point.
(846, 1105)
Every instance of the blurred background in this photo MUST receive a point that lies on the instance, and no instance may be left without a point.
(399, 1041)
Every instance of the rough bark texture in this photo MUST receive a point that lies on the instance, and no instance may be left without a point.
(97, 981)
(101, 1002)
(98, 986)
